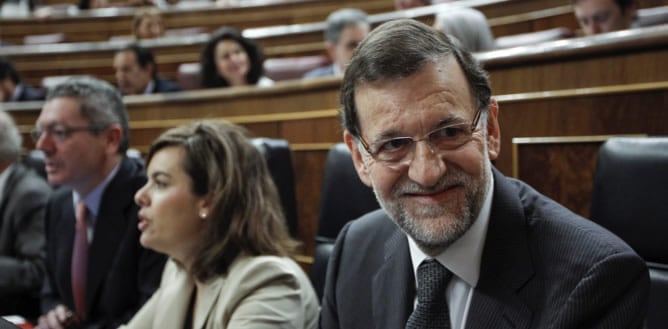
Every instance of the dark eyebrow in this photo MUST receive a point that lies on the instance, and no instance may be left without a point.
(157, 174)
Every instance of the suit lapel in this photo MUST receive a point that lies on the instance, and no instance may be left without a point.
(209, 296)
(393, 285)
(175, 296)
(110, 229)
(506, 266)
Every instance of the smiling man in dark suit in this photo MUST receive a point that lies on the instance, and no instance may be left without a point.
(83, 132)
(457, 244)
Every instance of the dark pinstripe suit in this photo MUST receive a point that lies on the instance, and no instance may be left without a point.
(542, 267)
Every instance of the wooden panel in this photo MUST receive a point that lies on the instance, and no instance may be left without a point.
(94, 58)
(101, 24)
(560, 167)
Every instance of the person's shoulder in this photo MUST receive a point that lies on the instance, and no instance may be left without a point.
(552, 225)
(32, 94)
(318, 72)
(265, 265)
(165, 85)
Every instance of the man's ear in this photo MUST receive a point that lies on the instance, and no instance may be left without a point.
(360, 166)
(330, 47)
(493, 131)
(113, 136)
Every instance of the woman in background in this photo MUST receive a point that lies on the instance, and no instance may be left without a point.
(148, 24)
(230, 59)
(468, 26)
(210, 204)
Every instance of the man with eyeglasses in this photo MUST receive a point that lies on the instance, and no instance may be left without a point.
(457, 244)
(98, 274)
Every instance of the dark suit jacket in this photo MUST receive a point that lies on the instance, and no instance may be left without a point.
(122, 275)
(22, 241)
(165, 86)
(542, 267)
(31, 94)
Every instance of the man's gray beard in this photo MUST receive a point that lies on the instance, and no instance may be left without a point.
(433, 239)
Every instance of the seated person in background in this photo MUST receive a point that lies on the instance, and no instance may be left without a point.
(23, 196)
(229, 59)
(407, 4)
(457, 244)
(93, 4)
(137, 72)
(98, 275)
(345, 30)
(210, 204)
(11, 88)
(600, 16)
(147, 24)
(469, 26)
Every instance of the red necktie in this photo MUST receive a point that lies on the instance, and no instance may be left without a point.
(80, 261)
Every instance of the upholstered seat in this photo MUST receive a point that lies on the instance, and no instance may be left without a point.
(343, 196)
(278, 155)
(630, 198)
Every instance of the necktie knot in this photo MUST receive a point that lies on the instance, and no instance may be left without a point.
(432, 307)
(433, 278)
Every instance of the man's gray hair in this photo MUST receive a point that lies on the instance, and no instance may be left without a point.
(10, 139)
(100, 103)
(340, 19)
(401, 48)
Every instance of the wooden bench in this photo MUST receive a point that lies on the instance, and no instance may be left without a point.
(102, 24)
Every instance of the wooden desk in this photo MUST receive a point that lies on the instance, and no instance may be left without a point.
(101, 24)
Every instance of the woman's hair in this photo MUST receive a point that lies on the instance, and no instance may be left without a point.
(210, 76)
(245, 215)
(142, 14)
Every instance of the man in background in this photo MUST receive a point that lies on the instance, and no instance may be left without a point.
(98, 275)
(11, 87)
(601, 16)
(137, 72)
(23, 196)
(346, 28)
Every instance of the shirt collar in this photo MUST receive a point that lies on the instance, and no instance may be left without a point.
(17, 92)
(463, 256)
(149, 87)
(93, 199)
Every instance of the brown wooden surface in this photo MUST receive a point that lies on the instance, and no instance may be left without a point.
(634, 56)
(640, 55)
(310, 124)
(101, 24)
(560, 167)
(94, 58)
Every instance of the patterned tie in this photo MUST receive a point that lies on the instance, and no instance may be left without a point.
(80, 261)
(432, 307)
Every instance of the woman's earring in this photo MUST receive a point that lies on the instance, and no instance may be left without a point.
(203, 214)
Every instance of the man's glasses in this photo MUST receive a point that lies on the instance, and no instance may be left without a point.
(61, 133)
(394, 152)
